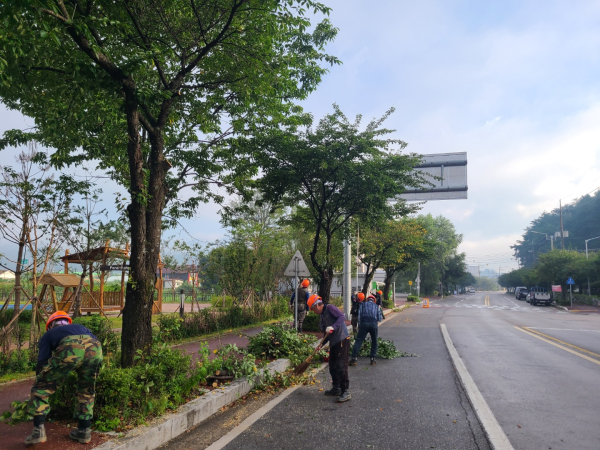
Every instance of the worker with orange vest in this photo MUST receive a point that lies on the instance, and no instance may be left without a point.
(64, 348)
(333, 324)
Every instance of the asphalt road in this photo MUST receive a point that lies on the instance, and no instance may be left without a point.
(543, 396)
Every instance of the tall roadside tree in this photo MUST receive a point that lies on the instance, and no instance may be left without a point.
(389, 244)
(152, 89)
(331, 173)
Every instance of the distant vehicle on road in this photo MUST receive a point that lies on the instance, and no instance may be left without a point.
(471, 290)
(521, 293)
(539, 296)
(517, 289)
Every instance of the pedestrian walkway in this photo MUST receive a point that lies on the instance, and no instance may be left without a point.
(583, 308)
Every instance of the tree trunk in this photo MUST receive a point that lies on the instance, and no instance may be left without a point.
(389, 276)
(145, 214)
(369, 274)
(19, 271)
(325, 284)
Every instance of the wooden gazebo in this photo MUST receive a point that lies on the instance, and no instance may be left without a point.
(100, 301)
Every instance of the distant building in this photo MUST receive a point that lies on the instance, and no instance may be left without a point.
(473, 270)
(7, 275)
(172, 284)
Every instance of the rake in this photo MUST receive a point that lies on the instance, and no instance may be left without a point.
(303, 366)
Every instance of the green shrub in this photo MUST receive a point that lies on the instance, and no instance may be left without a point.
(7, 315)
(412, 298)
(237, 362)
(311, 322)
(217, 301)
(388, 303)
(281, 341)
(337, 301)
(161, 379)
(209, 320)
(17, 361)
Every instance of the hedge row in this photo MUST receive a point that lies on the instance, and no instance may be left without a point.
(206, 321)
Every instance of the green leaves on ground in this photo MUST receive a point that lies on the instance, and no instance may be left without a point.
(281, 341)
(385, 349)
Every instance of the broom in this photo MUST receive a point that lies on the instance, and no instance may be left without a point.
(303, 366)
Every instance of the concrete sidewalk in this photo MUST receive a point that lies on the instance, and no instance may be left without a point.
(583, 308)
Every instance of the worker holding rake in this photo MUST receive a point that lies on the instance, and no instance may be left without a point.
(64, 348)
(332, 322)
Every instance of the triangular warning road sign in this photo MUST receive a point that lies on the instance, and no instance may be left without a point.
(290, 271)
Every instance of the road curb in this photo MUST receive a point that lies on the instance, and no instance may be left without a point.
(492, 429)
(190, 414)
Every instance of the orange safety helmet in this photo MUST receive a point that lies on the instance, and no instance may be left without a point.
(58, 315)
(312, 300)
(305, 283)
(360, 296)
(371, 298)
(380, 292)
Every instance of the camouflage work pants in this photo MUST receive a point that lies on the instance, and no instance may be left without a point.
(82, 354)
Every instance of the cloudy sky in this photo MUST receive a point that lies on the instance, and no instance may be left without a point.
(515, 84)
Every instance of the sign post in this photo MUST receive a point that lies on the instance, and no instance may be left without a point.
(570, 282)
(296, 268)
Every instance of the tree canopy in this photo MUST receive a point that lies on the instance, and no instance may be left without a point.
(151, 90)
(580, 219)
(330, 174)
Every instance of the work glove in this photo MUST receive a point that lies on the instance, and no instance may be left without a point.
(329, 330)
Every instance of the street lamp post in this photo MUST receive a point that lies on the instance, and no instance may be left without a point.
(587, 257)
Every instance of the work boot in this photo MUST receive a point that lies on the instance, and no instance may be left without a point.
(83, 435)
(334, 391)
(352, 362)
(38, 435)
(344, 397)
(373, 362)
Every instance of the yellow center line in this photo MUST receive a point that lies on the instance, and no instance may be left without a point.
(534, 334)
(487, 300)
(563, 342)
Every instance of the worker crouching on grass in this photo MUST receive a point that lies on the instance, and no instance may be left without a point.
(333, 323)
(369, 316)
(65, 347)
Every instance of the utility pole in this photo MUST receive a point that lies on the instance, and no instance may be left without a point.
(587, 257)
(419, 280)
(357, 260)
(562, 233)
(347, 277)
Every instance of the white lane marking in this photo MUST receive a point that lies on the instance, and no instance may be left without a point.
(490, 425)
(250, 420)
(563, 329)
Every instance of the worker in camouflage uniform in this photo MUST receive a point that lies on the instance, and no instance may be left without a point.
(65, 347)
